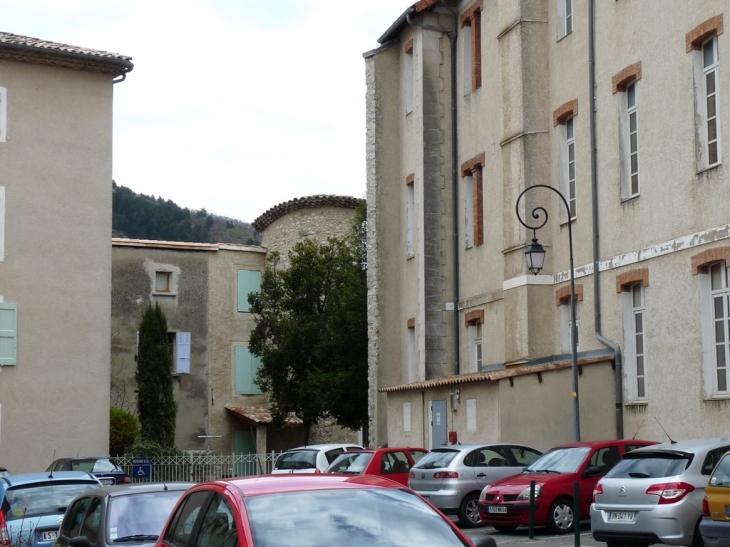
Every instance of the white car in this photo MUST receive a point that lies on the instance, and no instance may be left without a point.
(314, 458)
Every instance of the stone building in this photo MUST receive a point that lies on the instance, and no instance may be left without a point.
(56, 109)
(471, 102)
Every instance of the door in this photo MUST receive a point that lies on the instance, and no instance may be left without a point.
(244, 447)
(438, 423)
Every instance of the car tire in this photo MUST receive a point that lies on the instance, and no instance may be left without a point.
(560, 519)
(469, 512)
(504, 528)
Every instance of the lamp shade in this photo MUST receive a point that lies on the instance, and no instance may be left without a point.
(535, 255)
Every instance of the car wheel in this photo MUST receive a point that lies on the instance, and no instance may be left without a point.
(504, 528)
(469, 512)
(560, 518)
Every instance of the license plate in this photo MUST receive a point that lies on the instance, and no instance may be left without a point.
(622, 516)
(107, 481)
(496, 509)
(49, 536)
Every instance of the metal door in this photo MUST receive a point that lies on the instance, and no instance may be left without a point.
(438, 424)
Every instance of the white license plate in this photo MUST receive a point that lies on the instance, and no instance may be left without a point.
(496, 509)
(49, 536)
(622, 516)
(107, 481)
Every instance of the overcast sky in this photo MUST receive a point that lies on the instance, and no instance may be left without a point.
(233, 105)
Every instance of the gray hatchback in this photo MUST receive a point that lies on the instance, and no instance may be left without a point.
(452, 477)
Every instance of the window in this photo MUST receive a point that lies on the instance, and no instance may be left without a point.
(248, 281)
(562, 297)
(410, 216)
(625, 85)
(635, 342)
(471, 172)
(474, 322)
(565, 18)
(409, 76)
(3, 113)
(471, 22)
(218, 526)
(570, 166)
(2, 223)
(163, 281)
(247, 369)
(179, 351)
(564, 120)
(702, 42)
(720, 318)
(412, 374)
(632, 150)
(8, 334)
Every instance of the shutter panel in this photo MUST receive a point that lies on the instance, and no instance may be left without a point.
(8, 333)
(182, 361)
(248, 281)
(247, 367)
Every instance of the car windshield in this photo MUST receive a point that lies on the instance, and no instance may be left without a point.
(560, 460)
(721, 475)
(141, 514)
(297, 459)
(34, 500)
(351, 463)
(94, 466)
(355, 517)
(647, 465)
(437, 459)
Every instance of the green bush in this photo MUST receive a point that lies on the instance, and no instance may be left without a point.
(123, 430)
(151, 449)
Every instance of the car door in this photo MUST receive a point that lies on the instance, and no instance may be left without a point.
(396, 466)
(184, 524)
(72, 522)
(218, 525)
(600, 462)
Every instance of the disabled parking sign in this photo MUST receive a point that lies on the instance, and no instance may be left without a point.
(141, 468)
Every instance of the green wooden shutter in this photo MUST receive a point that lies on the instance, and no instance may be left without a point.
(8, 334)
(247, 368)
(248, 281)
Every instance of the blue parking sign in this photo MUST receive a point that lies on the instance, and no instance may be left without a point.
(141, 468)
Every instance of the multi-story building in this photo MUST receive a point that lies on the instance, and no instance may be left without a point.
(471, 102)
(55, 258)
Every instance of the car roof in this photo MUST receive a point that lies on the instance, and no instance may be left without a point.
(471, 446)
(687, 445)
(605, 442)
(83, 458)
(45, 476)
(322, 446)
(119, 490)
(296, 482)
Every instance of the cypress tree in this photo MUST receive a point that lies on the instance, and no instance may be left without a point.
(156, 406)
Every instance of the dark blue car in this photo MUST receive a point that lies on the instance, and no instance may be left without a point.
(104, 469)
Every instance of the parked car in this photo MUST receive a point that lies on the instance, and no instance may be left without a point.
(308, 510)
(310, 459)
(4, 472)
(505, 504)
(655, 495)
(391, 463)
(451, 477)
(33, 505)
(108, 472)
(133, 514)
(715, 523)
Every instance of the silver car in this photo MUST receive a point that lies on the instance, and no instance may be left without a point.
(654, 495)
(452, 477)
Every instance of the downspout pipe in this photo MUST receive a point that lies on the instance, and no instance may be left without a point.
(596, 235)
(452, 34)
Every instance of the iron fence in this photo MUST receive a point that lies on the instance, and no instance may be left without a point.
(198, 466)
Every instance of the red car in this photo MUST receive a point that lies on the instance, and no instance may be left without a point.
(308, 510)
(391, 463)
(505, 504)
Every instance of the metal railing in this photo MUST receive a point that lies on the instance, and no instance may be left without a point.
(198, 466)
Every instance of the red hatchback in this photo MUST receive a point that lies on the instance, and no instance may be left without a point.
(391, 463)
(308, 510)
(505, 504)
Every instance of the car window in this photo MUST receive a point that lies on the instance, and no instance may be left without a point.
(395, 462)
(721, 475)
(71, 525)
(487, 457)
(647, 465)
(183, 522)
(561, 460)
(141, 513)
(297, 459)
(82, 465)
(713, 456)
(90, 526)
(218, 527)
(104, 466)
(437, 459)
(417, 454)
(31, 500)
(59, 465)
(331, 455)
(605, 459)
(630, 447)
(522, 455)
(351, 463)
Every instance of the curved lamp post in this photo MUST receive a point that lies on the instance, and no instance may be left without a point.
(535, 255)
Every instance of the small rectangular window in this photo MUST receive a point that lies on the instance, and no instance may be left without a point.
(570, 167)
(412, 372)
(565, 18)
(248, 281)
(163, 281)
(707, 88)
(247, 369)
(8, 333)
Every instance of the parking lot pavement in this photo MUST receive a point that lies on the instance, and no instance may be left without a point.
(542, 537)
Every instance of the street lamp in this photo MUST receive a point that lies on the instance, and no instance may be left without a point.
(535, 256)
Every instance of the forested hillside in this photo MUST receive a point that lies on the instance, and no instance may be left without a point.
(139, 216)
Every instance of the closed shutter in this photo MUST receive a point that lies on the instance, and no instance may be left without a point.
(8, 333)
(248, 282)
(182, 347)
(247, 368)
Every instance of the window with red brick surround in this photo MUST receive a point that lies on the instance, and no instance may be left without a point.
(699, 35)
(472, 18)
(626, 279)
(564, 112)
(474, 317)
(702, 260)
(629, 74)
(475, 203)
(562, 295)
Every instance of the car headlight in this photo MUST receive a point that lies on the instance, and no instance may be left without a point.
(525, 494)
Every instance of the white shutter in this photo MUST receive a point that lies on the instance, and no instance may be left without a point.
(182, 360)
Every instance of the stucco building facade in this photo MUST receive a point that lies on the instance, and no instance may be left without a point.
(56, 106)
(468, 104)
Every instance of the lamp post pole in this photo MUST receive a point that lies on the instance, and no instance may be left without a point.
(535, 255)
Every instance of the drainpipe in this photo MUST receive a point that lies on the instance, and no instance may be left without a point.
(596, 236)
(452, 34)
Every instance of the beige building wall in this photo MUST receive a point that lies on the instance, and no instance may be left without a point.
(55, 265)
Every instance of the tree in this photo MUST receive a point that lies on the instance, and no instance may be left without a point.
(123, 430)
(156, 406)
(311, 331)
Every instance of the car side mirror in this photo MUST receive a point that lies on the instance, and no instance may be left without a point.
(80, 541)
(591, 471)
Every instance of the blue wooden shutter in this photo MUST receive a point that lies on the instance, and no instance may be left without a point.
(8, 334)
(182, 349)
(248, 281)
(247, 368)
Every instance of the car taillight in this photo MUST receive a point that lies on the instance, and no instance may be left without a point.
(705, 507)
(126, 479)
(670, 492)
(446, 475)
(4, 536)
(597, 490)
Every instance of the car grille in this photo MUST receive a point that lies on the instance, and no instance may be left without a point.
(490, 497)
